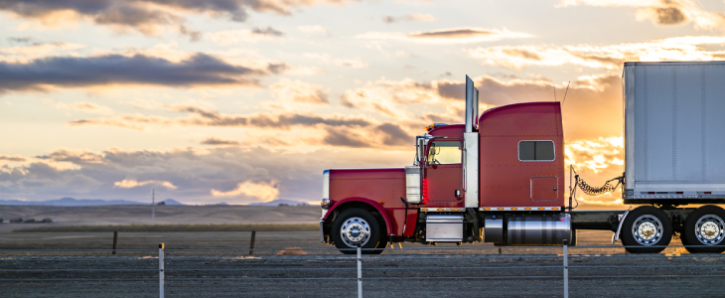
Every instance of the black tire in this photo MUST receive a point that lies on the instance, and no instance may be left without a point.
(376, 242)
(642, 217)
(694, 242)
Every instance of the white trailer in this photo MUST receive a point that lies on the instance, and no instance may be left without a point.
(674, 132)
(674, 155)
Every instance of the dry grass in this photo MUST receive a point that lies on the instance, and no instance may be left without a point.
(296, 250)
(175, 228)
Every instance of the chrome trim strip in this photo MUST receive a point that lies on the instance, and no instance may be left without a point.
(531, 208)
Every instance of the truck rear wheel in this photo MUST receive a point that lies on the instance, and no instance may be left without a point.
(704, 230)
(357, 227)
(646, 230)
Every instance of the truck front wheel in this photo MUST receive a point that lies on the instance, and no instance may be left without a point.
(357, 227)
(704, 230)
(646, 230)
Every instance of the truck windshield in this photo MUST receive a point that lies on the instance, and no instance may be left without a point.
(444, 153)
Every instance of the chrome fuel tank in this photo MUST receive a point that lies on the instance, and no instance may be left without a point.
(541, 229)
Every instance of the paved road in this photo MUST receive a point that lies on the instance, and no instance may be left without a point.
(393, 275)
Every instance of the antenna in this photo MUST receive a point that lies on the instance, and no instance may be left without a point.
(153, 206)
(567, 91)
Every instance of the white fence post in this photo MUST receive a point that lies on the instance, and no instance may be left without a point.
(359, 273)
(161, 270)
(566, 270)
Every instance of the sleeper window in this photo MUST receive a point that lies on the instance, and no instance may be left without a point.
(536, 150)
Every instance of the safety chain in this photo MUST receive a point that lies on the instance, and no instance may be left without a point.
(597, 191)
(588, 189)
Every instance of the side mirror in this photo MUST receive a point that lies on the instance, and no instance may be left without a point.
(420, 148)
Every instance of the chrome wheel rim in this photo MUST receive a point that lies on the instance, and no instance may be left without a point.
(355, 232)
(647, 230)
(709, 229)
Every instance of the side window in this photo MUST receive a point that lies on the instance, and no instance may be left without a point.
(444, 153)
(536, 151)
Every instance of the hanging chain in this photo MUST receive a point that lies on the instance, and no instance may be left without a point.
(597, 191)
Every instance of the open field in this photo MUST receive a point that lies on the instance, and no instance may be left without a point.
(173, 228)
(165, 215)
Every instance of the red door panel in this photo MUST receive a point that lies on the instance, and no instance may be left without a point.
(444, 173)
(442, 181)
(544, 188)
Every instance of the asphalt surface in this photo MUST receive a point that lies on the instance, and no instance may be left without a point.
(223, 269)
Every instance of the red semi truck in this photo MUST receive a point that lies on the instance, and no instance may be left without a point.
(499, 178)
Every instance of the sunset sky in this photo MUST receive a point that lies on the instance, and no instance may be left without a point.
(246, 101)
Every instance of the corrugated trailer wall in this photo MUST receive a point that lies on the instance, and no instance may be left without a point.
(674, 130)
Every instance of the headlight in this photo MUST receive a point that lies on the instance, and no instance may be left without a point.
(325, 203)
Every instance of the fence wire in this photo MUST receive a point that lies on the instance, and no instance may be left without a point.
(50, 266)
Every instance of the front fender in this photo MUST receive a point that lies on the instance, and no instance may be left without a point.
(372, 203)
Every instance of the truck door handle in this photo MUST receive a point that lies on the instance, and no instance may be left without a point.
(554, 188)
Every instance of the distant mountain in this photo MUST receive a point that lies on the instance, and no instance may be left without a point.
(70, 202)
(278, 202)
(170, 202)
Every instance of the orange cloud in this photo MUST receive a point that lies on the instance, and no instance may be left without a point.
(131, 183)
(663, 12)
(448, 36)
(261, 190)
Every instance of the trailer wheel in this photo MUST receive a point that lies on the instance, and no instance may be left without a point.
(646, 230)
(704, 230)
(357, 227)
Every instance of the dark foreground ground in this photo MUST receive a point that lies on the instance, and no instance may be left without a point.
(217, 264)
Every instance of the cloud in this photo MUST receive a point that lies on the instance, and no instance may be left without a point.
(448, 36)
(311, 29)
(217, 141)
(326, 58)
(23, 39)
(194, 173)
(199, 69)
(394, 135)
(269, 31)
(392, 98)
(262, 190)
(611, 57)
(243, 36)
(663, 12)
(131, 183)
(345, 138)
(87, 107)
(36, 50)
(149, 16)
(203, 117)
(15, 158)
(411, 17)
(297, 91)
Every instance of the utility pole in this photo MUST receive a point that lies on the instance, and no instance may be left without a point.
(153, 206)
